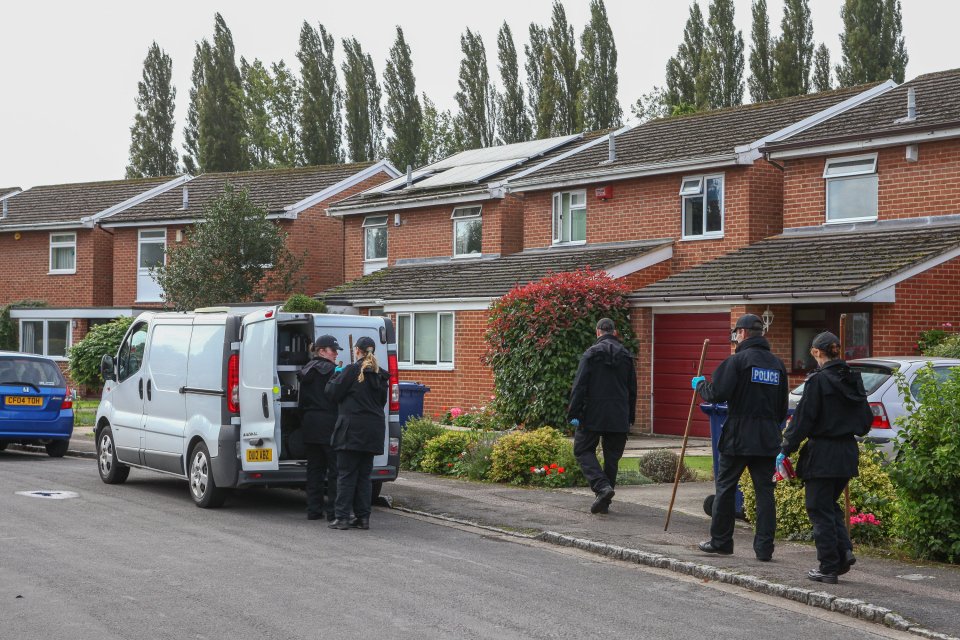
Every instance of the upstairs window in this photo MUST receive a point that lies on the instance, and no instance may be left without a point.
(702, 198)
(63, 253)
(851, 188)
(467, 231)
(374, 242)
(570, 217)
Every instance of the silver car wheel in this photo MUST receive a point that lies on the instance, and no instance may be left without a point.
(106, 454)
(199, 470)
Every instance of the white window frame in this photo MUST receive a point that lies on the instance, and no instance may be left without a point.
(556, 218)
(373, 222)
(45, 338)
(696, 187)
(847, 175)
(61, 244)
(466, 216)
(411, 324)
(156, 240)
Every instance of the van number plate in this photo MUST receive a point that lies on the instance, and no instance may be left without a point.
(23, 401)
(259, 455)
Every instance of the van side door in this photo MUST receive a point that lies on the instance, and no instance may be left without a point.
(128, 394)
(259, 392)
(164, 410)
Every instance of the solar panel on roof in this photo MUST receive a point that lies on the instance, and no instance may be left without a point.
(468, 173)
(517, 151)
(396, 183)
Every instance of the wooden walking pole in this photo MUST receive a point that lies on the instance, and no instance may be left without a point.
(686, 434)
(843, 354)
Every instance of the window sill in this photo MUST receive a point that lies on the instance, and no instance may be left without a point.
(710, 236)
(62, 272)
(468, 256)
(572, 243)
(852, 220)
(425, 367)
(369, 266)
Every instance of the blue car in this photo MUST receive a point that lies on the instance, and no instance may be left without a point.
(35, 405)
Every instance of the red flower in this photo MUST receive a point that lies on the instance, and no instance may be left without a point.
(553, 466)
(449, 464)
(533, 469)
(560, 470)
(547, 471)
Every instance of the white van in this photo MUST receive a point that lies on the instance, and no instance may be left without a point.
(211, 396)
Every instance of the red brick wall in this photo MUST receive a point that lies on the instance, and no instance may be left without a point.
(928, 187)
(641, 321)
(25, 264)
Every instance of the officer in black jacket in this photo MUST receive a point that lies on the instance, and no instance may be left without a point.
(319, 415)
(832, 410)
(361, 392)
(753, 383)
(602, 407)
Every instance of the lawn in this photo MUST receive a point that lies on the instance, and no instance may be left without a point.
(702, 465)
(84, 412)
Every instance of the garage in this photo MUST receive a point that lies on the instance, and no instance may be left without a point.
(677, 343)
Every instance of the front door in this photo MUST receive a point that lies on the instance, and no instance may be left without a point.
(151, 247)
(259, 392)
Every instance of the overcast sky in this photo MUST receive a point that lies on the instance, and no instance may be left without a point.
(69, 70)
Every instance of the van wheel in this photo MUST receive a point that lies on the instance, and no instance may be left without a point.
(203, 489)
(111, 471)
(57, 448)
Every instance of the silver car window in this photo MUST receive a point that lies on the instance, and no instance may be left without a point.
(940, 373)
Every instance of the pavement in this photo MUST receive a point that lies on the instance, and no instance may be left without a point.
(919, 597)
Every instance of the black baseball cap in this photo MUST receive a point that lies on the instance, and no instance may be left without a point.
(328, 342)
(365, 342)
(824, 340)
(749, 321)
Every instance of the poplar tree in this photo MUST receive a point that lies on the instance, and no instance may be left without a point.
(321, 98)
(793, 51)
(761, 54)
(221, 127)
(871, 45)
(563, 46)
(151, 137)
(686, 68)
(600, 104)
(439, 138)
(476, 120)
(257, 93)
(283, 115)
(191, 132)
(725, 46)
(364, 117)
(821, 69)
(404, 116)
(513, 123)
(542, 89)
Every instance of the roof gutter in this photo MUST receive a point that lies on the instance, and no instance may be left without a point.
(859, 142)
(153, 222)
(42, 226)
(780, 297)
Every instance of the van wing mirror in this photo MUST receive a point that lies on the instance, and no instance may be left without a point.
(107, 369)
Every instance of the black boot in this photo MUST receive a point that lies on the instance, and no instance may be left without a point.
(360, 523)
(339, 523)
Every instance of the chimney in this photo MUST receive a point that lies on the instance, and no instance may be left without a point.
(612, 150)
(186, 199)
(911, 104)
(409, 175)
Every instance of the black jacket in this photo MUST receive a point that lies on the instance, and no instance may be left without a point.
(361, 424)
(832, 410)
(753, 383)
(319, 411)
(604, 394)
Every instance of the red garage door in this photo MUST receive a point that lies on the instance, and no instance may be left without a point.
(677, 343)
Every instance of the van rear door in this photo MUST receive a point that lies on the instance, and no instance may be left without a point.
(259, 392)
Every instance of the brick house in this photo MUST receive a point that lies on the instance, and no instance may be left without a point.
(871, 199)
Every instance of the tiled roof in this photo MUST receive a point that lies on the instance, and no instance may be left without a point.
(820, 262)
(67, 203)
(484, 277)
(692, 137)
(937, 100)
(272, 189)
(7, 190)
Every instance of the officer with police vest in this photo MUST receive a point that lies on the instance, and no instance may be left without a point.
(753, 383)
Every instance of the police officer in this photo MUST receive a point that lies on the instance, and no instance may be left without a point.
(319, 415)
(753, 383)
(602, 408)
(832, 410)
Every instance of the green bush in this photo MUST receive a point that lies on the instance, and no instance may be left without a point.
(949, 347)
(482, 419)
(441, 454)
(476, 460)
(661, 466)
(84, 357)
(926, 471)
(302, 303)
(870, 492)
(416, 433)
(536, 335)
(516, 453)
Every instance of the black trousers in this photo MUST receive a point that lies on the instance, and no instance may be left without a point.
(585, 450)
(321, 478)
(729, 470)
(827, 517)
(354, 488)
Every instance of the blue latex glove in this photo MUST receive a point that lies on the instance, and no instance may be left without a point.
(338, 369)
(780, 458)
(575, 422)
(696, 380)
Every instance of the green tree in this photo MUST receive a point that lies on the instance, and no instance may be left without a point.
(152, 152)
(724, 45)
(476, 98)
(513, 123)
(872, 45)
(542, 88)
(651, 105)
(283, 115)
(321, 98)
(221, 126)
(232, 254)
(761, 56)
(404, 115)
(685, 71)
(600, 104)
(821, 69)
(563, 46)
(364, 117)
(793, 51)
(257, 95)
(439, 136)
(191, 132)
(85, 356)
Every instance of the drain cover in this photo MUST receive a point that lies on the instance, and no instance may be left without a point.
(48, 494)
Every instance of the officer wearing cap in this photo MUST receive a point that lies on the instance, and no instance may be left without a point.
(753, 383)
(319, 415)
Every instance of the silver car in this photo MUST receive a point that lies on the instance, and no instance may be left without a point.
(883, 395)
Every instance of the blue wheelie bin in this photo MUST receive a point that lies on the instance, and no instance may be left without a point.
(718, 416)
(411, 400)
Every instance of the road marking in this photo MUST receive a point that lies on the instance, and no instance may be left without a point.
(49, 494)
